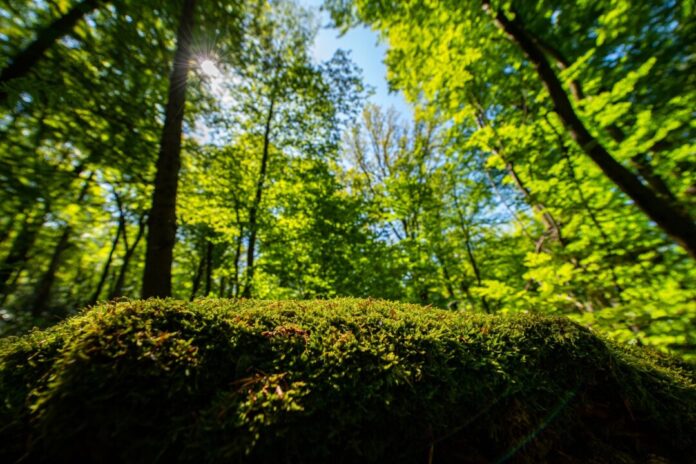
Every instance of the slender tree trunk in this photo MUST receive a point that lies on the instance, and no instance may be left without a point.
(21, 245)
(24, 61)
(161, 234)
(42, 294)
(512, 214)
(446, 275)
(222, 287)
(208, 268)
(107, 264)
(253, 212)
(551, 225)
(448, 283)
(7, 229)
(470, 253)
(672, 221)
(117, 289)
(237, 256)
(197, 276)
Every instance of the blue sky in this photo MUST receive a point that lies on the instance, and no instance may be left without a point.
(366, 53)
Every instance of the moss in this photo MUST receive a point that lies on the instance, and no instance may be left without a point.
(346, 380)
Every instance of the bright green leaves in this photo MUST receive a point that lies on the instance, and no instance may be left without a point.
(546, 230)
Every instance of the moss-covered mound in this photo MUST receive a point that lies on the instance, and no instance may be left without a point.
(340, 381)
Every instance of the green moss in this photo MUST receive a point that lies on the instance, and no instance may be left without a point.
(346, 380)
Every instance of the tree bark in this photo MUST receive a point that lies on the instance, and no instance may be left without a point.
(672, 221)
(117, 289)
(21, 245)
(7, 229)
(237, 255)
(107, 264)
(208, 268)
(639, 161)
(24, 61)
(507, 207)
(161, 235)
(470, 253)
(253, 212)
(552, 226)
(42, 294)
(197, 276)
(222, 287)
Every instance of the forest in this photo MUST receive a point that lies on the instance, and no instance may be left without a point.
(197, 149)
(217, 247)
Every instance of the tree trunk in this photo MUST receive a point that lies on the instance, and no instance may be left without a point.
(196, 282)
(448, 282)
(42, 294)
(639, 161)
(22, 63)
(550, 224)
(208, 268)
(222, 287)
(237, 255)
(21, 245)
(672, 221)
(107, 265)
(161, 235)
(470, 253)
(507, 207)
(117, 289)
(253, 212)
(7, 229)
(547, 218)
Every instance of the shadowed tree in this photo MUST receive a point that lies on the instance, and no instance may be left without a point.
(161, 234)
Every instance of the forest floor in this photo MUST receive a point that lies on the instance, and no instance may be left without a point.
(349, 380)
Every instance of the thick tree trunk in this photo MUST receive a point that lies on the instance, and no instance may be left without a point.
(161, 235)
(107, 264)
(253, 212)
(672, 221)
(22, 63)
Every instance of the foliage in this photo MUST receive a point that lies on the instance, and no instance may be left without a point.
(481, 202)
(546, 228)
(356, 380)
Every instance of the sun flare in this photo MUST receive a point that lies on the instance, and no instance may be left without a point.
(209, 68)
